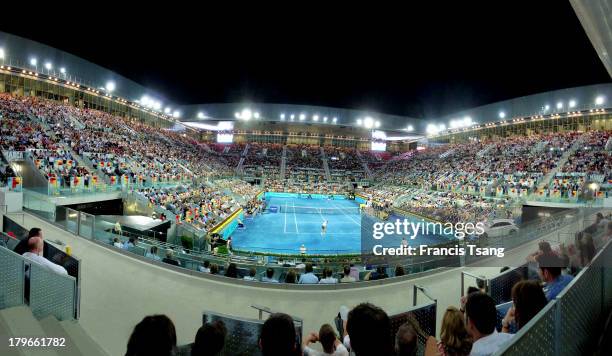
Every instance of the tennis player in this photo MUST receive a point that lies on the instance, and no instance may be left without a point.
(324, 227)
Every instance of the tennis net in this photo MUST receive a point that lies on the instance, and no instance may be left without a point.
(292, 209)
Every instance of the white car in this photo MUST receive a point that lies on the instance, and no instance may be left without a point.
(500, 227)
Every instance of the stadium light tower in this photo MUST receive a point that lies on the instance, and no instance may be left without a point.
(335, 120)
(34, 63)
(559, 105)
(48, 66)
(502, 114)
(599, 100)
(2, 53)
(572, 103)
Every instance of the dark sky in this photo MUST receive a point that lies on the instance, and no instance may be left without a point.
(421, 61)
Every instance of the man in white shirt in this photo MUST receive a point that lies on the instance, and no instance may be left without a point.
(481, 318)
(330, 343)
(308, 277)
(327, 277)
(35, 245)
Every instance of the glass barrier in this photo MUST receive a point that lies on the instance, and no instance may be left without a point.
(87, 223)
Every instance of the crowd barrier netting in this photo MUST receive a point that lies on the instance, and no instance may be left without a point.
(572, 322)
(242, 333)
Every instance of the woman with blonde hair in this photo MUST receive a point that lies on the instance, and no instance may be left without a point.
(454, 338)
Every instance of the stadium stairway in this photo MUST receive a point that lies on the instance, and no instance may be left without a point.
(364, 164)
(19, 322)
(283, 167)
(562, 161)
(484, 151)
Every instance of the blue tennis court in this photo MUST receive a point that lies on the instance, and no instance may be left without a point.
(298, 221)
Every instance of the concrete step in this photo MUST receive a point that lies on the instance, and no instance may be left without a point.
(4, 335)
(21, 323)
(53, 328)
(83, 342)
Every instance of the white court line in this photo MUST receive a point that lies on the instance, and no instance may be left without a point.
(347, 215)
(295, 219)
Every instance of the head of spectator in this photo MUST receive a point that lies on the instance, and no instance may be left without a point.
(214, 269)
(308, 268)
(528, 298)
(406, 341)
(36, 245)
(346, 271)
(35, 231)
(206, 265)
(369, 329)
(278, 337)
(270, 272)
(153, 250)
(399, 271)
(327, 338)
(252, 272)
(480, 283)
(210, 339)
(291, 276)
(544, 247)
(23, 246)
(154, 335)
(454, 337)
(549, 267)
(481, 315)
(231, 271)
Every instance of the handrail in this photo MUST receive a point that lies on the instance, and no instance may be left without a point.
(425, 292)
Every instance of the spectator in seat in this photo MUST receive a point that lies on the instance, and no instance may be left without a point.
(210, 339)
(117, 243)
(454, 338)
(214, 268)
(130, 243)
(528, 299)
(291, 276)
(278, 337)
(231, 271)
(406, 341)
(35, 250)
(380, 273)
(329, 342)
(205, 267)
(308, 277)
(152, 254)
(369, 331)
(22, 245)
(481, 317)
(269, 277)
(155, 335)
(169, 259)
(347, 278)
(399, 271)
(327, 277)
(550, 266)
(252, 274)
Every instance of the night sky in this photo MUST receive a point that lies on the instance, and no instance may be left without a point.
(421, 61)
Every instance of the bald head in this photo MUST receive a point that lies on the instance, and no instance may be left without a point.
(35, 244)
